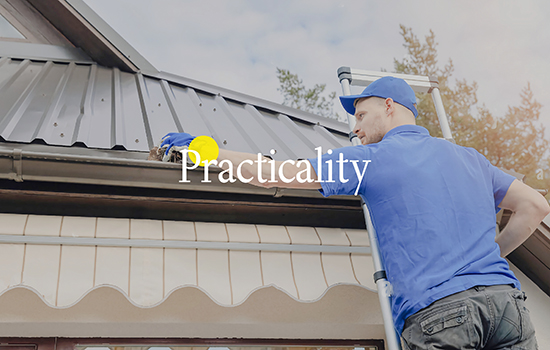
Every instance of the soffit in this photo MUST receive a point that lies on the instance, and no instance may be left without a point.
(62, 259)
(31, 24)
(533, 256)
(546, 222)
(60, 273)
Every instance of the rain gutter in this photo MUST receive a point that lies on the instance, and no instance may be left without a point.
(18, 163)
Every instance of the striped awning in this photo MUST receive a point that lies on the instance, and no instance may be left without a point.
(86, 263)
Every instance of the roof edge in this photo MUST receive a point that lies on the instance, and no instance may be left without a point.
(112, 36)
(84, 166)
(532, 257)
(85, 29)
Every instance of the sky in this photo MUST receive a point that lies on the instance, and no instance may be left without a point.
(501, 44)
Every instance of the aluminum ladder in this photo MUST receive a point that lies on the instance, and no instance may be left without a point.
(420, 84)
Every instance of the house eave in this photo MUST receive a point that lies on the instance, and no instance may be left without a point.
(22, 162)
(533, 257)
(46, 180)
(86, 30)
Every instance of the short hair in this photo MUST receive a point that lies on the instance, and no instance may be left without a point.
(381, 101)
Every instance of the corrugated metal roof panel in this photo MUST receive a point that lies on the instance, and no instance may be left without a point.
(65, 104)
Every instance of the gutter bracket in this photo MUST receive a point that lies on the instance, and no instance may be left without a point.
(17, 166)
(278, 192)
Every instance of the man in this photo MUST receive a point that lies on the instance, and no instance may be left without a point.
(433, 206)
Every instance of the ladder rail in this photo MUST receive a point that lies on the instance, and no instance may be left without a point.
(359, 77)
(421, 84)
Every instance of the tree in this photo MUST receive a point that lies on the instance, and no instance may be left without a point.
(296, 95)
(515, 141)
(421, 59)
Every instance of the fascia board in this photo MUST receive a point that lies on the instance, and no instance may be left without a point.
(112, 36)
(91, 34)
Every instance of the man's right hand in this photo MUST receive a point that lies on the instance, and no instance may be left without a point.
(177, 139)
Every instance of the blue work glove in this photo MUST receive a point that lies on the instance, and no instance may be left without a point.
(177, 139)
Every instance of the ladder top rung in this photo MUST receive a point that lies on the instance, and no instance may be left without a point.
(359, 77)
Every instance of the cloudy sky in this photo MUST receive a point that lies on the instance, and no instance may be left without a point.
(238, 44)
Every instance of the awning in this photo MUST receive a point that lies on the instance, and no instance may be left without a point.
(88, 276)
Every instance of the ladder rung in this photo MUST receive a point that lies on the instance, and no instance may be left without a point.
(359, 77)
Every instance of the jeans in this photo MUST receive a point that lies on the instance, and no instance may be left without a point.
(483, 317)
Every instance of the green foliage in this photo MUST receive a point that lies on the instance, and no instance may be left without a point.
(421, 59)
(515, 141)
(296, 95)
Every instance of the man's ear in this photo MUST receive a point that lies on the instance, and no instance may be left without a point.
(389, 106)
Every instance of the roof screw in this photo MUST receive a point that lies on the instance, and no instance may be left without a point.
(102, 100)
(159, 104)
(225, 142)
(62, 135)
(214, 109)
(200, 104)
(137, 140)
(54, 124)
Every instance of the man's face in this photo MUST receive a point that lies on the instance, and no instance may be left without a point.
(370, 120)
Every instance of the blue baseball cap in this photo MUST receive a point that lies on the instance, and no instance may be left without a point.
(386, 87)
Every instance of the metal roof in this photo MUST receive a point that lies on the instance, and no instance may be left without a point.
(87, 105)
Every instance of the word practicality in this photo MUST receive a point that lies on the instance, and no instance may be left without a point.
(228, 175)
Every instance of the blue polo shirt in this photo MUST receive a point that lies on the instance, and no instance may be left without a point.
(433, 206)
